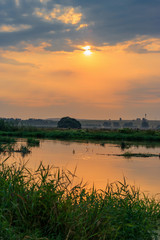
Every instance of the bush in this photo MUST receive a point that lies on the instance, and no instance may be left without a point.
(68, 122)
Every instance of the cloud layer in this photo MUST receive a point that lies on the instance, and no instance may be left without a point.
(93, 21)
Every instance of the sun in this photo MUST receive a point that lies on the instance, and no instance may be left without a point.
(87, 51)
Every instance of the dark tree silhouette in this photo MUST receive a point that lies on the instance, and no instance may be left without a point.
(67, 122)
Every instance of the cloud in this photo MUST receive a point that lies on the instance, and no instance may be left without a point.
(143, 91)
(17, 2)
(67, 15)
(82, 21)
(144, 45)
(44, 1)
(14, 28)
(84, 25)
(15, 62)
(140, 45)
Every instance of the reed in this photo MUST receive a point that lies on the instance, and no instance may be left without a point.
(46, 205)
(85, 134)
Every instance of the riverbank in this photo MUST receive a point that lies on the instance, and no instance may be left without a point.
(41, 205)
(84, 134)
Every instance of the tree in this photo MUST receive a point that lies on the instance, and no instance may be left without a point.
(67, 122)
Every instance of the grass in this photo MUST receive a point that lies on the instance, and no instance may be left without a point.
(7, 140)
(46, 205)
(84, 134)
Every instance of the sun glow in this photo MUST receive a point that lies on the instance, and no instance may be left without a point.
(87, 51)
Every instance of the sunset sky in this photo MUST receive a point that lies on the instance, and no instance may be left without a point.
(84, 59)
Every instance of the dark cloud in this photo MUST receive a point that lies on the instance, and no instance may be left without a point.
(108, 21)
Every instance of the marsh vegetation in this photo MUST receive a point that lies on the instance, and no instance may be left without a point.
(46, 205)
(84, 134)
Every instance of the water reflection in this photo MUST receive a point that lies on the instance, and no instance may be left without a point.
(98, 163)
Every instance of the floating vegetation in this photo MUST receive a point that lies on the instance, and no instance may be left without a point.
(6, 148)
(130, 154)
(24, 150)
(32, 142)
(11, 148)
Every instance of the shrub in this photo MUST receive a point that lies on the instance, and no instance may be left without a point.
(67, 122)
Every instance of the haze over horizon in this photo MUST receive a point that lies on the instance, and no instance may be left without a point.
(84, 59)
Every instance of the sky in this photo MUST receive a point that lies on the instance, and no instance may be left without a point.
(85, 59)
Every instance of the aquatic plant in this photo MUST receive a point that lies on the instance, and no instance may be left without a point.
(130, 154)
(31, 142)
(46, 205)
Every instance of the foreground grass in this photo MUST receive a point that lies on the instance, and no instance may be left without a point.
(42, 205)
(84, 134)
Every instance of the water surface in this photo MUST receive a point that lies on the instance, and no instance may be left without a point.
(95, 163)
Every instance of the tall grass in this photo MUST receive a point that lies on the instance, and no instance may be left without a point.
(85, 134)
(46, 205)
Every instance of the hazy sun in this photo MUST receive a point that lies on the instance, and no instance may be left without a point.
(87, 51)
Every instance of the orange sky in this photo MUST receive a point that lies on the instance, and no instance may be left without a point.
(44, 72)
(112, 82)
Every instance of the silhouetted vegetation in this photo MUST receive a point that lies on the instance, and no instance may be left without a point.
(23, 149)
(130, 154)
(124, 145)
(67, 122)
(46, 205)
(12, 147)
